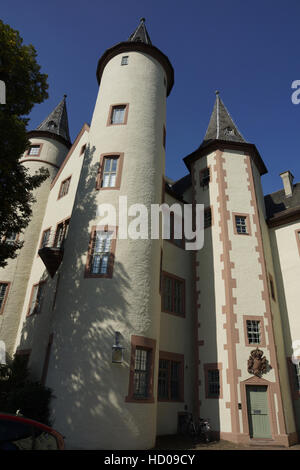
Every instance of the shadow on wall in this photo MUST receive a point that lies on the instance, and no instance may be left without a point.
(90, 391)
(287, 331)
(207, 317)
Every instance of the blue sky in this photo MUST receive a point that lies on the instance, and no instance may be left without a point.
(247, 50)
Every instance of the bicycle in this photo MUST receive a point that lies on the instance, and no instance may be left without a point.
(199, 428)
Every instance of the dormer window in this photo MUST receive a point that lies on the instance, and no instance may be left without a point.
(52, 125)
(229, 131)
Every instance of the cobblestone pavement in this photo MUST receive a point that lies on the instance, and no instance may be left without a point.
(186, 443)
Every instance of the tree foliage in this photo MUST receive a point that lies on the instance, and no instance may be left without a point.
(25, 86)
(20, 392)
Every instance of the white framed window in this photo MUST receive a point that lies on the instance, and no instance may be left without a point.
(141, 373)
(35, 303)
(253, 331)
(3, 294)
(45, 238)
(118, 114)
(101, 252)
(109, 172)
(64, 187)
(241, 224)
(61, 233)
(34, 150)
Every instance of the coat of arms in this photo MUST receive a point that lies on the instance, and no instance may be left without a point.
(257, 363)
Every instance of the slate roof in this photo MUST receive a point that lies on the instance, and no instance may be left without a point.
(181, 185)
(57, 121)
(140, 34)
(221, 126)
(278, 202)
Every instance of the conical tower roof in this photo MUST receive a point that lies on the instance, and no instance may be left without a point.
(222, 132)
(221, 126)
(57, 121)
(140, 34)
(138, 41)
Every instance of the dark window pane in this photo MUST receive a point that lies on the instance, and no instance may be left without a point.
(213, 383)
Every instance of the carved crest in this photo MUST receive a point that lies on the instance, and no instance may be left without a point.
(257, 363)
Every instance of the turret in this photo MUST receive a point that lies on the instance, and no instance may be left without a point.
(110, 281)
(49, 144)
(235, 311)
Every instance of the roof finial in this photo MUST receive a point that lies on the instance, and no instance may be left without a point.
(217, 92)
(65, 96)
(142, 20)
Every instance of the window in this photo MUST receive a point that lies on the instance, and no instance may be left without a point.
(118, 114)
(100, 258)
(45, 238)
(35, 303)
(297, 233)
(4, 286)
(213, 386)
(213, 383)
(101, 252)
(173, 294)
(204, 177)
(141, 370)
(253, 331)
(272, 287)
(82, 150)
(141, 373)
(64, 187)
(297, 376)
(207, 217)
(294, 376)
(52, 125)
(170, 377)
(241, 224)
(124, 60)
(110, 171)
(11, 238)
(177, 241)
(34, 150)
(61, 233)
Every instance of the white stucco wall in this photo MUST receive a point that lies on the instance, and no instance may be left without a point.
(91, 310)
(18, 270)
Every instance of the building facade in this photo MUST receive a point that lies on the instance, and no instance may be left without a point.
(130, 332)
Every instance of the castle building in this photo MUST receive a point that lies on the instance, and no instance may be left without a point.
(133, 332)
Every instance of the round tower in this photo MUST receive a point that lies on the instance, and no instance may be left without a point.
(109, 290)
(49, 144)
